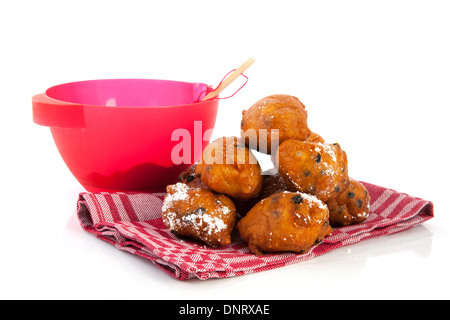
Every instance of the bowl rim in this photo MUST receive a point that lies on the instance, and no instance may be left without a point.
(195, 103)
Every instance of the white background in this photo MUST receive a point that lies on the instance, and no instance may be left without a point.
(374, 76)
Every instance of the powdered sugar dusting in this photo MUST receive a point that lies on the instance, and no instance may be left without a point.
(179, 193)
(328, 149)
(312, 199)
(204, 222)
(200, 219)
(213, 224)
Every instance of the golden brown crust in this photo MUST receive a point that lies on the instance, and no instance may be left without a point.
(315, 138)
(282, 112)
(285, 221)
(315, 168)
(351, 206)
(229, 167)
(199, 213)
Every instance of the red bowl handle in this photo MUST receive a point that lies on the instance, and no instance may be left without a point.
(55, 113)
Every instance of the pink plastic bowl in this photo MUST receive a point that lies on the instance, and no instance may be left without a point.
(116, 135)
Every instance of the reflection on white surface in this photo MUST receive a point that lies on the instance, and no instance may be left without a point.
(417, 240)
(353, 258)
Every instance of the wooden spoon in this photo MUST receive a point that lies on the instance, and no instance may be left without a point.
(225, 83)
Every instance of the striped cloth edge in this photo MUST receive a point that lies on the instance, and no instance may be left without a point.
(132, 222)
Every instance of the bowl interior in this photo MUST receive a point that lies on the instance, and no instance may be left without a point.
(128, 92)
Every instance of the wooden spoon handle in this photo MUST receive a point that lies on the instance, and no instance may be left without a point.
(225, 83)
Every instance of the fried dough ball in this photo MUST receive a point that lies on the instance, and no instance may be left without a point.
(283, 112)
(351, 206)
(199, 213)
(315, 168)
(229, 167)
(286, 221)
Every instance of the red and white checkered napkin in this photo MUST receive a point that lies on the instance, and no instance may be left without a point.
(132, 222)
